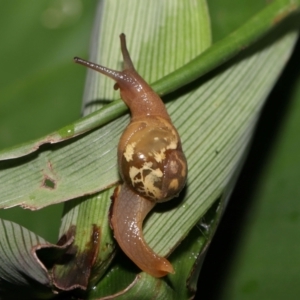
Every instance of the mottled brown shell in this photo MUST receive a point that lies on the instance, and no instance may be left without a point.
(151, 160)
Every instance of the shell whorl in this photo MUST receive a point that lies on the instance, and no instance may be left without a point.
(151, 160)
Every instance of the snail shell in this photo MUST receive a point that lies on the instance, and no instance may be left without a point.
(150, 160)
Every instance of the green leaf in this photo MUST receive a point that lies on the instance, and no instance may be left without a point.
(143, 286)
(27, 262)
(261, 261)
(87, 220)
(19, 265)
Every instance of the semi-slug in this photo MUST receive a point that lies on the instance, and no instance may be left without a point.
(150, 160)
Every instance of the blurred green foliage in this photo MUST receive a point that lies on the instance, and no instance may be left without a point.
(40, 86)
(255, 253)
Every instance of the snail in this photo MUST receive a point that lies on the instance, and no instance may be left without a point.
(150, 161)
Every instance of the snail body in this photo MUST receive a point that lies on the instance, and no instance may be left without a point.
(150, 160)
